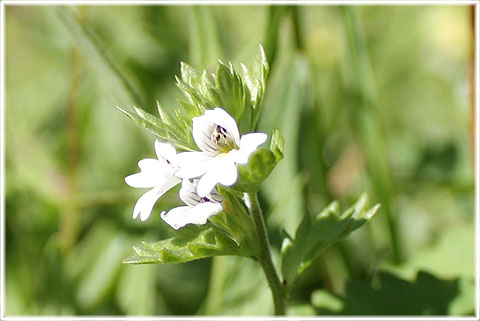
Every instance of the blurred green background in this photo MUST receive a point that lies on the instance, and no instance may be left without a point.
(368, 98)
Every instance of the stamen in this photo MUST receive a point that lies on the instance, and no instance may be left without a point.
(204, 200)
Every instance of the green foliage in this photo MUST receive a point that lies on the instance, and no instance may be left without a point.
(313, 236)
(225, 88)
(260, 164)
(189, 243)
(390, 295)
(169, 127)
(235, 220)
(237, 287)
(58, 111)
(241, 97)
(255, 78)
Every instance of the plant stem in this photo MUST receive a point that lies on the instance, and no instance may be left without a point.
(265, 258)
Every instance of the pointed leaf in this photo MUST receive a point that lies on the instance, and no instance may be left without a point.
(315, 235)
(190, 243)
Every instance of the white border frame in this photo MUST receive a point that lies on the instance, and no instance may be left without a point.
(3, 4)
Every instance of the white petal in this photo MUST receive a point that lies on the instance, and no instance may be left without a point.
(188, 193)
(152, 172)
(248, 144)
(222, 118)
(192, 164)
(165, 150)
(221, 170)
(202, 129)
(145, 203)
(183, 215)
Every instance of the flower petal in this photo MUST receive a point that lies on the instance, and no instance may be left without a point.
(188, 193)
(221, 170)
(145, 203)
(222, 118)
(152, 171)
(180, 216)
(192, 164)
(165, 150)
(248, 144)
(202, 129)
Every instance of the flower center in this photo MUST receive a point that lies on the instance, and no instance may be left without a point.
(222, 138)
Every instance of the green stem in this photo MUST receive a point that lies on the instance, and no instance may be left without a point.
(297, 28)
(265, 258)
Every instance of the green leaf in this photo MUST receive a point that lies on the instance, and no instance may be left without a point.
(255, 78)
(315, 235)
(189, 243)
(260, 164)
(229, 91)
(167, 128)
(277, 144)
(241, 95)
(391, 295)
(236, 221)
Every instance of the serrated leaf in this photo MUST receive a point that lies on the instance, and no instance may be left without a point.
(240, 95)
(191, 109)
(313, 236)
(255, 79)
(229, 91)
(178, 135)
(189, 75)
(190, 243)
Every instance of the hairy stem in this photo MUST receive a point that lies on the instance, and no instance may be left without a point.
(265, 258)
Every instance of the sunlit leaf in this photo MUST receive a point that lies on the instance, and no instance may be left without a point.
(190, 243)
(315, 235)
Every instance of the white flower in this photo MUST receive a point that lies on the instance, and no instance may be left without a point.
(198, 209)
(216, 134)
(157, 173)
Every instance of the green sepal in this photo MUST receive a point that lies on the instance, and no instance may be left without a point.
(189, 243)
(314, 235)
(260, 164)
